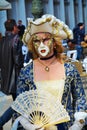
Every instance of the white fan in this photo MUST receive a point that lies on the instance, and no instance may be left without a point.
(41, 108)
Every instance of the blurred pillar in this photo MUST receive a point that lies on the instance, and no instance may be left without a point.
(71, 14)
(80, 14)
(3, 18)
(50, 7)
(62, 10)
(22, 11)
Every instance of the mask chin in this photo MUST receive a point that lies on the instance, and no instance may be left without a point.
(43, 54)
(44, 48)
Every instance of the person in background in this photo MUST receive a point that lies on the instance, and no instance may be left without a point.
(0, 44)
(0, 58)
(84, 46)
(21, 28)
(11, 59)
(0, 35)
(79, 33)
(71, 52)
(44, 39)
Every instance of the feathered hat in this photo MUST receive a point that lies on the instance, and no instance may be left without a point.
(47, 23)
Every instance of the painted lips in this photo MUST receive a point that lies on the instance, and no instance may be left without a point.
(43, 51)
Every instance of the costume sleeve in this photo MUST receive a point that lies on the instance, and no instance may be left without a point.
(21, 83)
(77, 90)
(25, 79)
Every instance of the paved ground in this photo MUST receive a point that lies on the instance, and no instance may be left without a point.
(5, 102)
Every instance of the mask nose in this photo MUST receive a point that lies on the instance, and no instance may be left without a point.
(41, 44)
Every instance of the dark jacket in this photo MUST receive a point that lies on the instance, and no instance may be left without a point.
(11, 61)
(21, 30)
(78, 34)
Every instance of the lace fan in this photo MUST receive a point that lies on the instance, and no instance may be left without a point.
(41, 108)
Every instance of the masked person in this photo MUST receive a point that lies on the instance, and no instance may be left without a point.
(47, 71)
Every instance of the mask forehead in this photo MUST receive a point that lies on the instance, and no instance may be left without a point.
(41, 36)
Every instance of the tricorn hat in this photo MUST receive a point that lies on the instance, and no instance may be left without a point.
(47, 23)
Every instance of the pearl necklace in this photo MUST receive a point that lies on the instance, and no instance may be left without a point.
(46, 66)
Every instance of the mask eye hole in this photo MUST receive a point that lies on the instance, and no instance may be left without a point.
(46, 39)
(36, 41)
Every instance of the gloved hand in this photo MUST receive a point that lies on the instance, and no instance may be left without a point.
(79, 121)
(80, 115)
(76, 126)
(28, 126)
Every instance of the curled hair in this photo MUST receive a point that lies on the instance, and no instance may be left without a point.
(58, 48)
